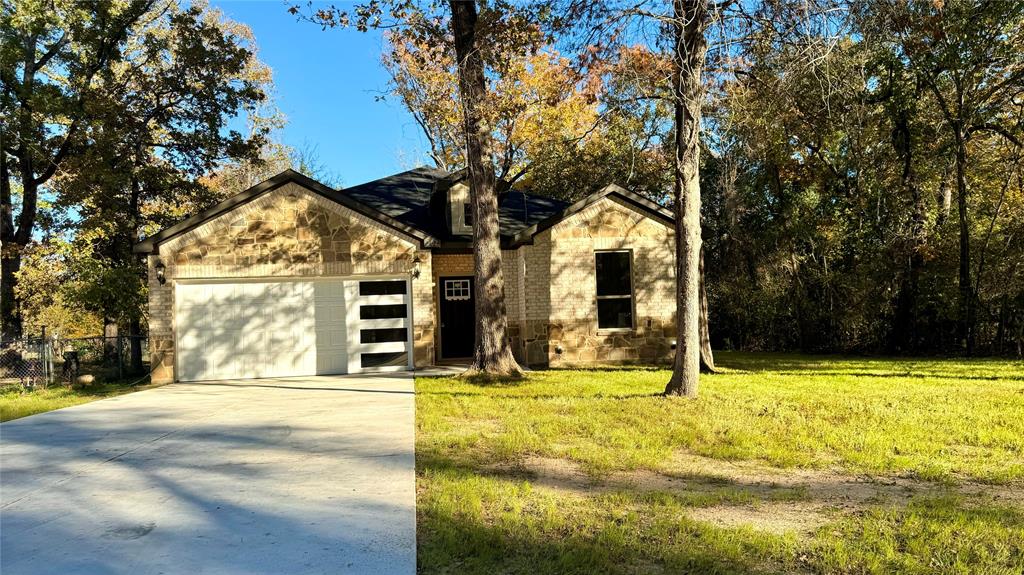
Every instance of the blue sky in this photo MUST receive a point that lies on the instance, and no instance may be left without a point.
(326, 84)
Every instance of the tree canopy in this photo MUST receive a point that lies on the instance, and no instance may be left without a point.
(860, 174)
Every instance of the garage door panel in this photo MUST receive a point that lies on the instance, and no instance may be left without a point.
(327, 364)
(189, 339)
(330, 291)
(390, 299)
(386, 347)
(193, 365)
(221, 331)
(247, 365)
(391, 323)
(280, 328)
(190, 297)
(378, 304)
(219, 350)
(233, 321)
(329, 328)
(279, 341)
(191, 318)
(330, 338)
(253, 339)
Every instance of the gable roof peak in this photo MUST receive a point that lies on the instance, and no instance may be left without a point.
(150, 244)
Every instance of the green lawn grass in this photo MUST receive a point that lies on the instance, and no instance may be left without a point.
(15, 402)
(939, 423)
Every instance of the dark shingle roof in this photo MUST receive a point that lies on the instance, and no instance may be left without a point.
(407, 198)
(518, 211)
(404, 196)
(414, 203)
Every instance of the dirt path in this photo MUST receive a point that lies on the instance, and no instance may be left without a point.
(780, 500)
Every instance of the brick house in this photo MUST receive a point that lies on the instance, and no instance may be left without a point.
(292, 277)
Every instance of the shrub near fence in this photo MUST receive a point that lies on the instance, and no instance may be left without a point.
(27, 362)
(42, 361)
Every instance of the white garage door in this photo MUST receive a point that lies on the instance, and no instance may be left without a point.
(276, 328)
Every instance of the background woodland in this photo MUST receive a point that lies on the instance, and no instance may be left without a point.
(861, 179)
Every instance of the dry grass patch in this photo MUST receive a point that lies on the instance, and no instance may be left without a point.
(784, 465)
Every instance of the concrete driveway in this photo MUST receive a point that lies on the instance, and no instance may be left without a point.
(298, 475)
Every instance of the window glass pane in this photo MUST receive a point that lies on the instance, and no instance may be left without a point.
(390, 287)
(615, 313)
(613, 273)
(384, 359)
(382, 311)
(381, 335)
(467, 214)
(457, 290)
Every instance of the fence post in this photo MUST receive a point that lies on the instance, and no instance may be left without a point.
(120, 356)
(44, 357)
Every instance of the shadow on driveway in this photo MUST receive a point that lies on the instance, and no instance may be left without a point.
(258, 476)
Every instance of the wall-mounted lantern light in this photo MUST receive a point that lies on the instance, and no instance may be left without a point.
(416, 267)
(160, 269)
(673, 344)
(558, 349)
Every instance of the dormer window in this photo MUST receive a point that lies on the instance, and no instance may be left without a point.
(460, 210)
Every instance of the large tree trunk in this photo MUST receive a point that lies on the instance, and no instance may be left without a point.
(14, 242)
(905, 331)
(690, 21)
(111, 351)
(15, 239)
(707, 358)
(967, 310)
(139, 262)
(135, 346)
(492, 354)
(11, 263)
(944, 199)
(10, 253)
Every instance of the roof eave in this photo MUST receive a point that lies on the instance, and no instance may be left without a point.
(151, 244)
(526, 236)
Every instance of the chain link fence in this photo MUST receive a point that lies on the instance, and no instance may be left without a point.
(33, 362)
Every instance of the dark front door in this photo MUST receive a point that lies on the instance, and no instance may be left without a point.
(458, 319)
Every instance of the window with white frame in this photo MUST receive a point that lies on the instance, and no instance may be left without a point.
(614, 290)
(456, 290)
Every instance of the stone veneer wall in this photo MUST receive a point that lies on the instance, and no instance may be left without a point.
(289, 232)
(551, 289)
(161, 325)
(560, 290)
(423, 318)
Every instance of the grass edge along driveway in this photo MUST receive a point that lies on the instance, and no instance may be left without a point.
(16, 403)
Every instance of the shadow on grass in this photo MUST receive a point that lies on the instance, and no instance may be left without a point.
(486, 379)
(614, 368)
(518, 530)
(899, 375)
(450, 542)
(478, 517)
(868, 366)
(525, 394)
(689, 488)
(481, 379)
